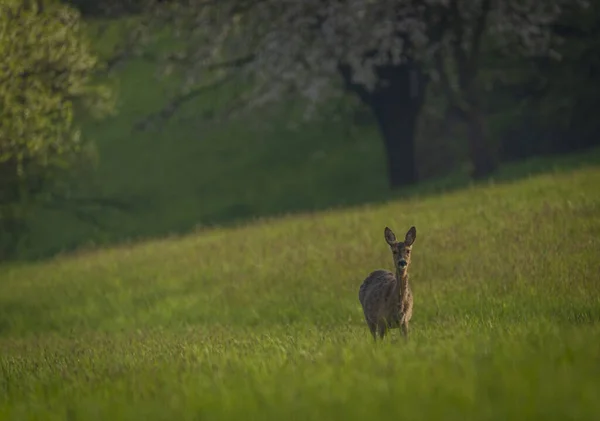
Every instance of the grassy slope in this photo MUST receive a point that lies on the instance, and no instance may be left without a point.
(262, 322)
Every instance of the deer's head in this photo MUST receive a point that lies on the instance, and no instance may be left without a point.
(401, 251)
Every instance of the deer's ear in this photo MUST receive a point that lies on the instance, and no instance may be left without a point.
(389, 236)
(411, 235)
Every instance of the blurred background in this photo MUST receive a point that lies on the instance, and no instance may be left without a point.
(125, 120)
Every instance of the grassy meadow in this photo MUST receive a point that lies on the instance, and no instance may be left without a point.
(167, 317)
(262, 321)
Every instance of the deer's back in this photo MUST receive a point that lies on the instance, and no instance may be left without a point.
(377, 298)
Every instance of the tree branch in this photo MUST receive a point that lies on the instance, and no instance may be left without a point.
(101, 202)
(438, 35)
(82, 208)
(473, 62)
(346, 73)
(177, 102)
(234, 62)
(181, 60)
(451, 94)
(457, 43)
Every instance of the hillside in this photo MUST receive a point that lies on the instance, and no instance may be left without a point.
(262, 321)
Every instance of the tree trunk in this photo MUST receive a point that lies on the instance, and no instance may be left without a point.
(397, 124)
(396, 104)
(482, 157)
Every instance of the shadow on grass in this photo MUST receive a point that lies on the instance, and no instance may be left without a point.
(508, 172)
(235, 214)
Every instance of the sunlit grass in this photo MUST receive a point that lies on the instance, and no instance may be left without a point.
(263, 321)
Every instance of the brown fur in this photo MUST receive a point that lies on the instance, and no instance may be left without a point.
(386, 298)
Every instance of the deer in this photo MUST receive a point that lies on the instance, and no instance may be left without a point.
(386, 297)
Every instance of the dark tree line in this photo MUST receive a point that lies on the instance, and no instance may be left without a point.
(477, 56)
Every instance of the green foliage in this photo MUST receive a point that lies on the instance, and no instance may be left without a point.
(263, 322)
(541, 105)
(571, 95)
(45, 78)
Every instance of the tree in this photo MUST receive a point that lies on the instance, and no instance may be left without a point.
(45, 78)
(474, 30)
(556, 100)
(385, 51)
(311, 48)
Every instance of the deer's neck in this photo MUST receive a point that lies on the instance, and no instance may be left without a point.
(402, 278)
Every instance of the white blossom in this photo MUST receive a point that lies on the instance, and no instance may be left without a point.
(297, 45)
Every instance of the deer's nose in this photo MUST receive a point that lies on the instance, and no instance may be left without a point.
(402, 263)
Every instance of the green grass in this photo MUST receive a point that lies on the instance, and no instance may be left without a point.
(263, 322)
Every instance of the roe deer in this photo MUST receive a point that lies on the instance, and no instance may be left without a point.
(385, 297)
